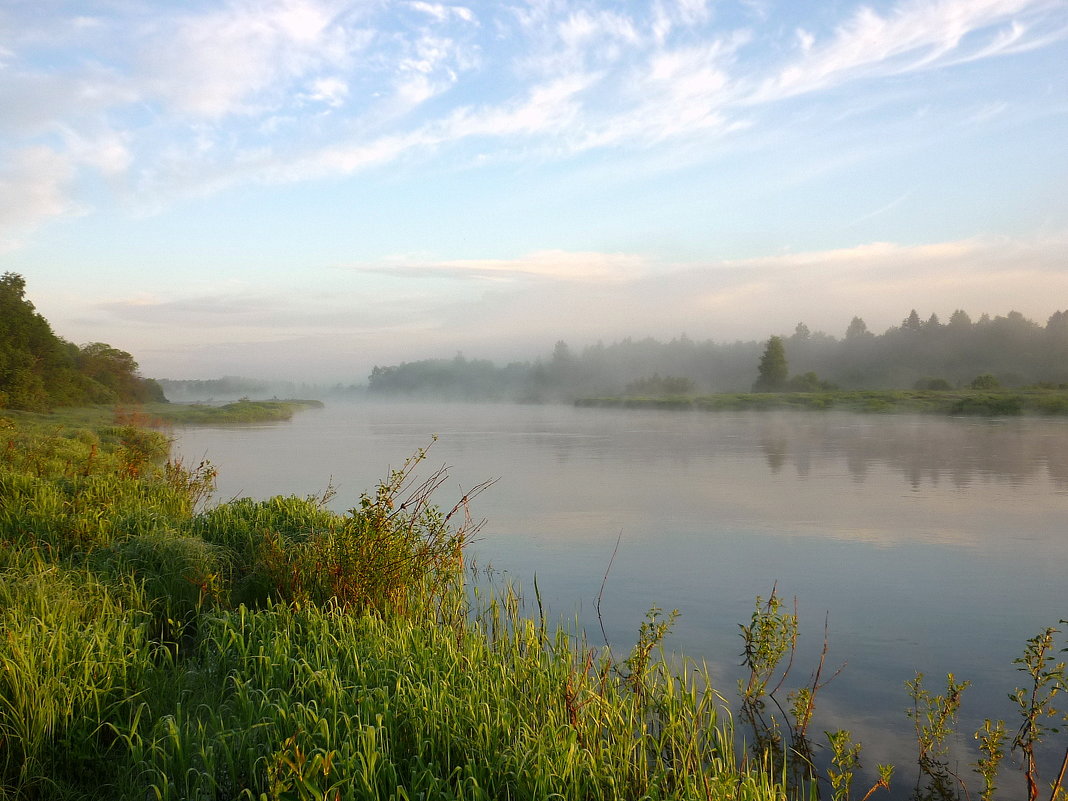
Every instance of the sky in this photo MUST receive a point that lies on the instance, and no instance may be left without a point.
(303, 189)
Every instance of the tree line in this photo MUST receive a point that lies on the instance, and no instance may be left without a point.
(39, 370)
(919, 353)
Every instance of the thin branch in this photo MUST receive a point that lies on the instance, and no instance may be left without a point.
(600, 594)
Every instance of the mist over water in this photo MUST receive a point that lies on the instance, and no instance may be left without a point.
(926, 543)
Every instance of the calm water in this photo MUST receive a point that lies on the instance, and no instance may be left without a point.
(926, 543)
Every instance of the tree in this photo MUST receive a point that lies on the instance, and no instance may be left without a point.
(960, 321)
(1058, 323)
(857, 329)
(39, 369)
(117, 371)
(912, 322)
(773, 369)
(29, 351)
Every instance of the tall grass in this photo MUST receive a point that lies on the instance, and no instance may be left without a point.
(313, 702)
(73, 653)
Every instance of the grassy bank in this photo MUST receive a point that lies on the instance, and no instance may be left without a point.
(106, 419)
(276, 650)
(994, 403)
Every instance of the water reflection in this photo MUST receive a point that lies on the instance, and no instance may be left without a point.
(923, 450)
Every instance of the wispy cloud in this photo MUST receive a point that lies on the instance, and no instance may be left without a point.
(34, 185)
(909, 37)
(242, 57)
(188, 101)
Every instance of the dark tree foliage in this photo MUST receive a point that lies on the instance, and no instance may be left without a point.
(912, 322)
(773, 371)
(858, 329)
(39, 370)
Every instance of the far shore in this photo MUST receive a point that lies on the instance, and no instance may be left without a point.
(989, 403)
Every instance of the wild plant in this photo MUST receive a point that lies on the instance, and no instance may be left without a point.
(769, 637)
(195, 483)
(770, 634)
(651, 634)
(933, 715)
(1048, 677)
(845, 759)
(992, 750)
(803, 699)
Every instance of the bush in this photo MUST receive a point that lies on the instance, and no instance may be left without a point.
(985, 381)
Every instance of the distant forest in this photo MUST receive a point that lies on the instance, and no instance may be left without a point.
(230, 388)
(39, 370)
(924, 354)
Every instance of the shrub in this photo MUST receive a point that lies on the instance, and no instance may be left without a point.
(985, 381)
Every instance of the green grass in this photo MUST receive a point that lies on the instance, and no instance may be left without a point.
(305, 703)
(992, 403)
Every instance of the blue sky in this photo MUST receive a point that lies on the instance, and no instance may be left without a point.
(305, 188)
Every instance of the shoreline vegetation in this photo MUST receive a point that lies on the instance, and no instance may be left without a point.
(991, 403)
(157, 416)
(158, 646)
(240, 411)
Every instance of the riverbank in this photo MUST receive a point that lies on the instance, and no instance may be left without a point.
(153, 416)
(241, 411)
(274, 649)
(993, 403)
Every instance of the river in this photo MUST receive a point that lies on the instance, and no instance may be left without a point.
(924, 543)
